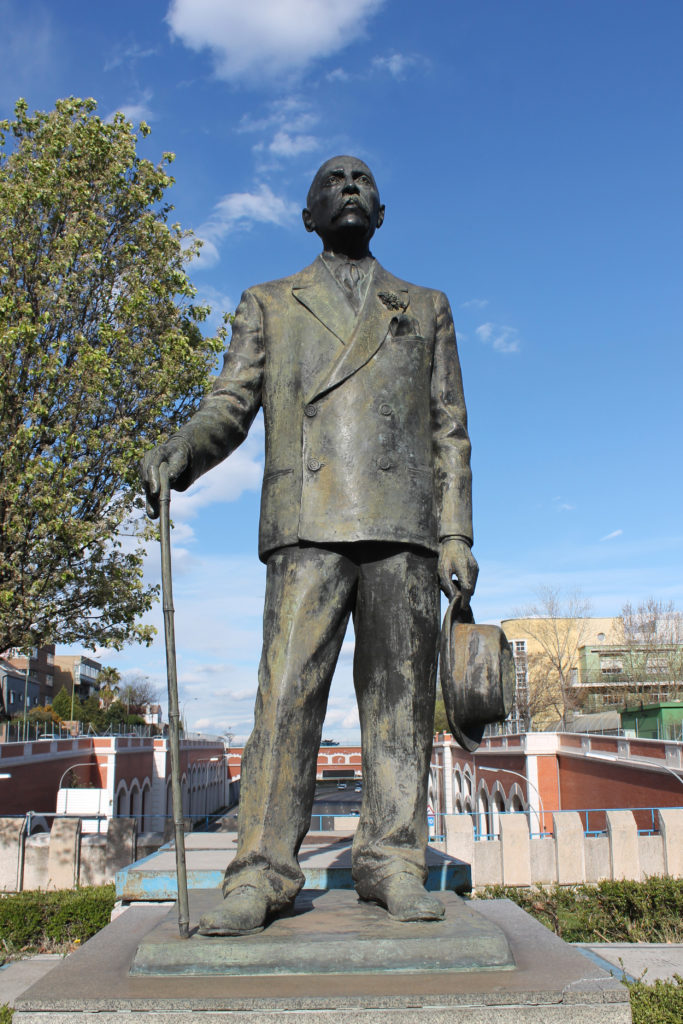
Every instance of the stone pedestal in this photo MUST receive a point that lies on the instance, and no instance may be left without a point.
(550, 982)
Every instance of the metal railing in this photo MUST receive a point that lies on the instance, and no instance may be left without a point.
(594, 821)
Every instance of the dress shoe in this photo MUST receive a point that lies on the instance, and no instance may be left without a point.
(244, 911)
(406, 899)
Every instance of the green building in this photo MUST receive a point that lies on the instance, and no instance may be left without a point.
(654, 721)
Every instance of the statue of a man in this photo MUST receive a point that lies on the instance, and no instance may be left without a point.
(365, 511)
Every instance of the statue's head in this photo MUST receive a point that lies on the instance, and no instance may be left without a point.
(343, 204)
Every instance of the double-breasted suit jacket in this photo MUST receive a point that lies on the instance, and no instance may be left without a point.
(365, 421)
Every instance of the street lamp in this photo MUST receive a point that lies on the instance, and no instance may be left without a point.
(508, 771)
(81, 764)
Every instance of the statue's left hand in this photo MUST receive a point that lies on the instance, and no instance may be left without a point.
(456, 559)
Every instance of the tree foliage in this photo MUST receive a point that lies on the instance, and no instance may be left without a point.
(651, 652)
(137, 693)
(101, 355)
(560, 625)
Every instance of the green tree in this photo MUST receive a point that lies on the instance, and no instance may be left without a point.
(101, 355)
(61, 705)
(93, 713)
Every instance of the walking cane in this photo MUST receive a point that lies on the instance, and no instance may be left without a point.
(173, 716)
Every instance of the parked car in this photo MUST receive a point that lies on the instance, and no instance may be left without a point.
(341, 785)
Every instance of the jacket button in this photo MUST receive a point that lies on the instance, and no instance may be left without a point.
(385, 410)
(314, 465)
(311, 411)
(384, 462)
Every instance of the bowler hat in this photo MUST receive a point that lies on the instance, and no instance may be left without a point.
(477, 673)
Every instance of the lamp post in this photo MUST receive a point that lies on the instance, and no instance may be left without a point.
(509, 771)
(80, 764)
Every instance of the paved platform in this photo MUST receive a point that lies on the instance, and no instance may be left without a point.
(646, 961)
(17, 976)
(325, 860)
(328, 933)
(552, 983)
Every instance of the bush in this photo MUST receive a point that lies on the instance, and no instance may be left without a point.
(650, 911)
(660, 1003)
(36, 921)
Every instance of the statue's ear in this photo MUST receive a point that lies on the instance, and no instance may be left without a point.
(307, 218)
(380, 217)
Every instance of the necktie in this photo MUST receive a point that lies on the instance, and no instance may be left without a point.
(351, 281)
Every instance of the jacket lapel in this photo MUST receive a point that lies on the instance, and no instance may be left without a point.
(372, 327)
(321, 295)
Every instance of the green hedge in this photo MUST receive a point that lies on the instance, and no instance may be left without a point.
(650, 911)
(661, 1003)
(36, 921)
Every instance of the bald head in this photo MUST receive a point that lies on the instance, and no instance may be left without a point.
(330, 165)
(343, 206)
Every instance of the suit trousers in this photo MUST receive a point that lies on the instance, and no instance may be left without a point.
(393, 594)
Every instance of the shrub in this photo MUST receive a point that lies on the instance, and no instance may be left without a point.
(33, 921)
(660, 1003)
(650, 911)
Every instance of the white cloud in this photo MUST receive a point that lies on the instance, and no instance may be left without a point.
(291, 113)
(612, 535)
(267, 37)
(501, 338)
(137, 110)
(563, 506)
(396, 64)
(285, 144)
(243, 471)
(240, 210)
(338, 75)
(128, 55)
(474, 304)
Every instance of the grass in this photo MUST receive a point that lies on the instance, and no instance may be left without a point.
(650, 911)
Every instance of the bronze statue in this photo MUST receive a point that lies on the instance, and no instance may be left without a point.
(365, 511)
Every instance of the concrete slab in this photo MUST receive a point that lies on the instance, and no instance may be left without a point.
(552, 983)
(19, 975)
(325, 861)
(328, 933)
(648, 961)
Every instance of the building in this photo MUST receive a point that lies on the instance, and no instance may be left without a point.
(541, 773)
(76, 673)
(616, 673)
(14, 687)
(41, 669)
(538, 696)
(654, 721)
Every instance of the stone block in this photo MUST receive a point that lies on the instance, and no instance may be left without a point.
(543, 868)
(488, 864)
(11, 850)
(622, 833)
(515, 849)
(460, 839)
(597, 855)
(651, 856)
(570, 854)
(93, 861)
(64, 856)
(671, 831)
(36, 852)
(121, 844)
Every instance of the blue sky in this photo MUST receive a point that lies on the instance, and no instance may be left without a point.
(529, 155)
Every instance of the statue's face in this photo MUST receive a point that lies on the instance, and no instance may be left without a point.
(343, 199)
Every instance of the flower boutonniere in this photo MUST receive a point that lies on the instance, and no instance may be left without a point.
(393, 301)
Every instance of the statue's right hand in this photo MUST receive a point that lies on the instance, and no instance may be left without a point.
(176, 454)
